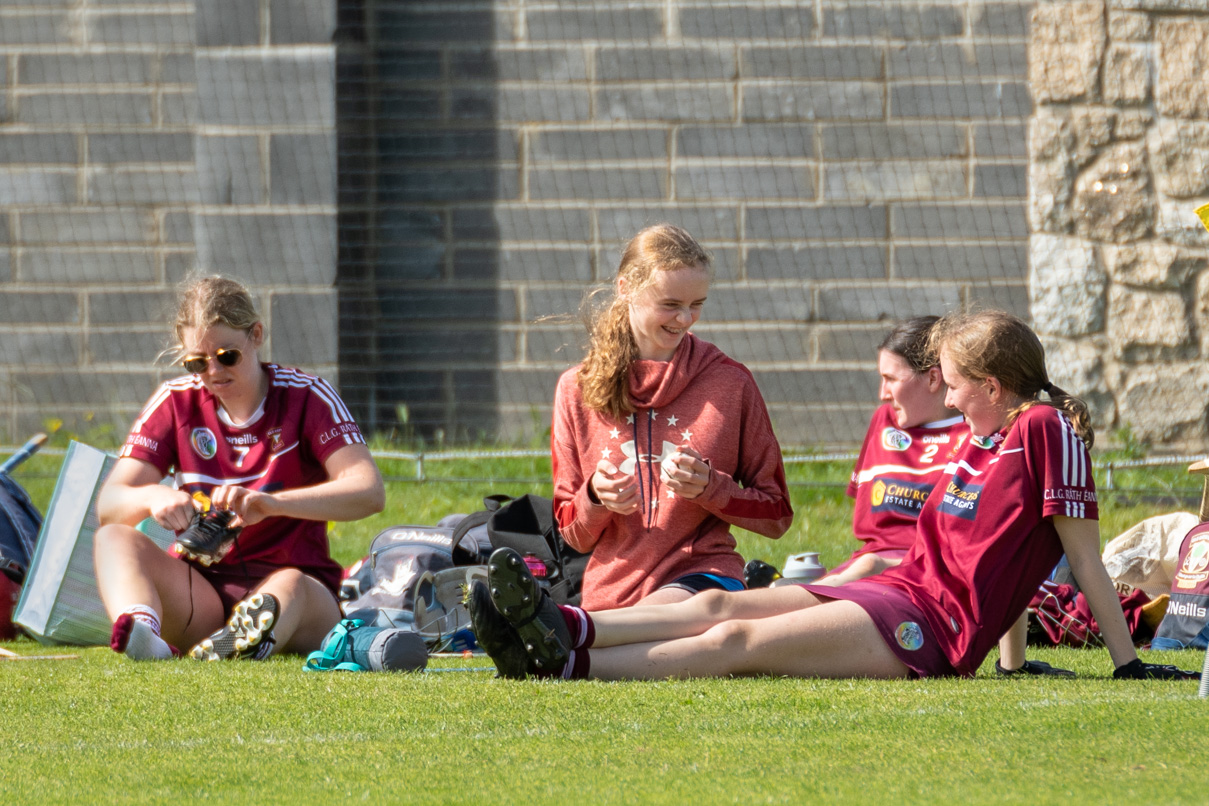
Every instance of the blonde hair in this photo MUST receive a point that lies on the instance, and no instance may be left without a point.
(604, 375)
(213, 300)
(995, 344)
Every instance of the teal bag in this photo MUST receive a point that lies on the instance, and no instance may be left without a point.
(353, 646)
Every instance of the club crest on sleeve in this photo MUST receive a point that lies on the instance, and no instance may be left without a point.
(909, 636)
(1195, 568)
(203, 442)
(895, 440)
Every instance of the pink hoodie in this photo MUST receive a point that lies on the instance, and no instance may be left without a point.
(702, 399)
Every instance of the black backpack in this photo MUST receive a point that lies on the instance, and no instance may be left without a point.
(527, 525)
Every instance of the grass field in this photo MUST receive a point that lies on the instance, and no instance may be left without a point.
(101, 729)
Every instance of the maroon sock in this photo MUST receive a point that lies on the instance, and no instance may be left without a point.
(580, 625)
(577, 665)
(576, 668)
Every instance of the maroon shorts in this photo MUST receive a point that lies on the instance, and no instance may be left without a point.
(901, 623)
(231, 584)
(234, 583)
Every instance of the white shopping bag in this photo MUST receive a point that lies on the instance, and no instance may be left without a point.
(59, 600)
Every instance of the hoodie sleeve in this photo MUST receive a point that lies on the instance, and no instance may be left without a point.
(580, 521)
(756, 498)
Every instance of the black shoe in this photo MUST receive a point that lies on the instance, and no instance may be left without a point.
(248, 633)
(532, 613)
(495, 634)
(1034, 667)
(208, 539)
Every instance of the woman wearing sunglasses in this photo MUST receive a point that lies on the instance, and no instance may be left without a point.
(263, 456)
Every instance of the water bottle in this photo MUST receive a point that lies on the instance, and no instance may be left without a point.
(801, 569)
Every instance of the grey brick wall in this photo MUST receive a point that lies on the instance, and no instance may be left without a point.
(421, 191)
(141, 141)
(848, 162)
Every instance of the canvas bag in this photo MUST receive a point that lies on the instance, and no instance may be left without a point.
(1186, 624)
(59, 601)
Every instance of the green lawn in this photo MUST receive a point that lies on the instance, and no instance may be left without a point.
(101, 729)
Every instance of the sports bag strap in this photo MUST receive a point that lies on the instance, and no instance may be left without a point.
(331, 658)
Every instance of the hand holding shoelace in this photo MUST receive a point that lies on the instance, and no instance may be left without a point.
(249, 506)
(170, 508)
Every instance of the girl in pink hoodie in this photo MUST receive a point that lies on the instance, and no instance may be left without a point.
(660, 442)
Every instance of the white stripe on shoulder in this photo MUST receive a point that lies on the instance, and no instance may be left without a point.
(953, 467)
(181, 384)
(870, 473)
(292, 378)
(1078, 455)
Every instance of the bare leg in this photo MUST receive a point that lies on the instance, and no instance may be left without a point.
(643, 623)
(133, 570)
(306, 612)
(1013, 644)
(836, 639)
(866, 565)
(666, 596)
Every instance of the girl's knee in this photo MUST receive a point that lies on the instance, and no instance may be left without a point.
(729, 640)
(712, 602)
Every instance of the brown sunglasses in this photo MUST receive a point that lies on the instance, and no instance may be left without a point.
(197, 363)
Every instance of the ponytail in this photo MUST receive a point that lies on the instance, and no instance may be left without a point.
(1074, 408)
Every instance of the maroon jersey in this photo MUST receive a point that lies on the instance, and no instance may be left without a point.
(301, 422)
(894, 473)
(986, 537)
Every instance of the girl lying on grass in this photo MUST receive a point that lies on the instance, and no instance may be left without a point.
(1015, 496)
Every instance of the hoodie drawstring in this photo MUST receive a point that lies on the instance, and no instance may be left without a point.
(648, 511)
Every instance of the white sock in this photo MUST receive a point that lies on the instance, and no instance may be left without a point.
(136, 634)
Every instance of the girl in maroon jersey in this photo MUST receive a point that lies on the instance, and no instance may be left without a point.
(1013, 497)
(660, 442)
(905, 451)
(271, 454)
(903, 454)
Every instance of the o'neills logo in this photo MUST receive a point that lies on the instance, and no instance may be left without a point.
(203, 442)
(895, 440)
(1195, 568)
(1187, 609)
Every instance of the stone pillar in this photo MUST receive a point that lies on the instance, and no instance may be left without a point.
(1118, 160)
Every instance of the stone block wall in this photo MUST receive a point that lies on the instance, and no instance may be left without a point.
(1119, 263)
(849, 162)
(137, 142)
